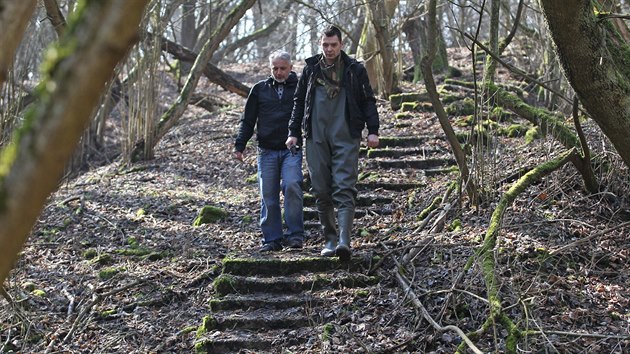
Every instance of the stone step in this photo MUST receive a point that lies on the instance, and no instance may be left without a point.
(363, 200)
(397, 153)
(390, 186)
(288, 265)
(261, 319)
(263, 300)
(230, 284)
(421, 164)
(406, 141)
(237, 340)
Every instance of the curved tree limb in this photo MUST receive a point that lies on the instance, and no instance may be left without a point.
(426, 65)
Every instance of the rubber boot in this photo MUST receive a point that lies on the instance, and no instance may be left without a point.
(346, 218)
(327, 219)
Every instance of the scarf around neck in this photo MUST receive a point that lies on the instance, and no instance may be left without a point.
(331, 76)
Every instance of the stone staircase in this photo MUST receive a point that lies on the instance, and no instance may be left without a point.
(280, 301)
(284, 302)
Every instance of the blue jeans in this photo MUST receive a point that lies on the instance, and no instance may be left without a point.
(280, 169)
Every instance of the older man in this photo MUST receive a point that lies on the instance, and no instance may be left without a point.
(268, 109)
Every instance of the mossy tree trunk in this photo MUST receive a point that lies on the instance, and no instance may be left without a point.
(595, 59)
(486, 254)
(144, 149)
(14, 16)
(32, 164)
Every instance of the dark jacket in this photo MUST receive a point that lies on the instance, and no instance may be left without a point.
(360, 102)
(268, 114)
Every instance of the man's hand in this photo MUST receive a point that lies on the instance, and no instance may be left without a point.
(372, 140)
(238, 155)
(291, 141)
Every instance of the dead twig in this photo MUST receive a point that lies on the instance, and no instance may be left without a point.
(588, 238)
(425, 314)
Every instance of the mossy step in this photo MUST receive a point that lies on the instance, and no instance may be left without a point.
(403, 152)
(311, 214)
(263, 300)
(237, 340)
(292, 265)
(419, 164)
(363, 200)
(261, 319)
(390, 186)
(406, 141)
(229, 284)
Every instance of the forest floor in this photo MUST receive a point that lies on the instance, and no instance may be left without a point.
(114, 264)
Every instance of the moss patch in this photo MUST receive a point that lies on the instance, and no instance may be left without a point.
(209, 214)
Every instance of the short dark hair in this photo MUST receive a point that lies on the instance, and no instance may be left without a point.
(332, 31)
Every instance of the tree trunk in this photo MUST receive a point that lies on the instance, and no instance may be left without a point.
(14, 16)
(32, 164)
(426, 65)
(596, 62)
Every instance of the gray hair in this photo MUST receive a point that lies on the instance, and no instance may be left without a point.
(280, 54)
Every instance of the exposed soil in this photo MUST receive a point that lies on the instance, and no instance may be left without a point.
(114, 264)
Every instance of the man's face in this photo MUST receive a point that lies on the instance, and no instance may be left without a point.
(331, 46)
(280, 69)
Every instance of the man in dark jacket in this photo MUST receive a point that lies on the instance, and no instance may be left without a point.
(268, 108)
(334, 102)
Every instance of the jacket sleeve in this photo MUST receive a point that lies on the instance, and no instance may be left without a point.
(295, 123)
(248, 120)
(369, 107)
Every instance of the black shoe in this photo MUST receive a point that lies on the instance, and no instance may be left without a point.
(294, 243)
(272, 246)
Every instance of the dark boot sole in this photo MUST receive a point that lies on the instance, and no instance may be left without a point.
(343, 253)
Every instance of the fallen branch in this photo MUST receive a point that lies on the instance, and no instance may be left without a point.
(582, 240)
(425, 314)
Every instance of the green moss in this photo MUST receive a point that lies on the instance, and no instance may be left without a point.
(461, 108)
(327, 332)
(90, 253)
(464, 121)
(403, 115)
(38, 293)
(253, 179)
(424, 213)
(209, 214)
(103, 259)
(132, 242)
(532, 134)
(408, 106)
(363, 293)
(223, 284)
(138, 251)
(109, 273)
(513, 131)
(107, 313)
(397, 100)
(456, 225)
(208, 323)
(247, 219)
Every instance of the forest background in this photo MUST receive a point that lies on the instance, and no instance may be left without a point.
(95, 89)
